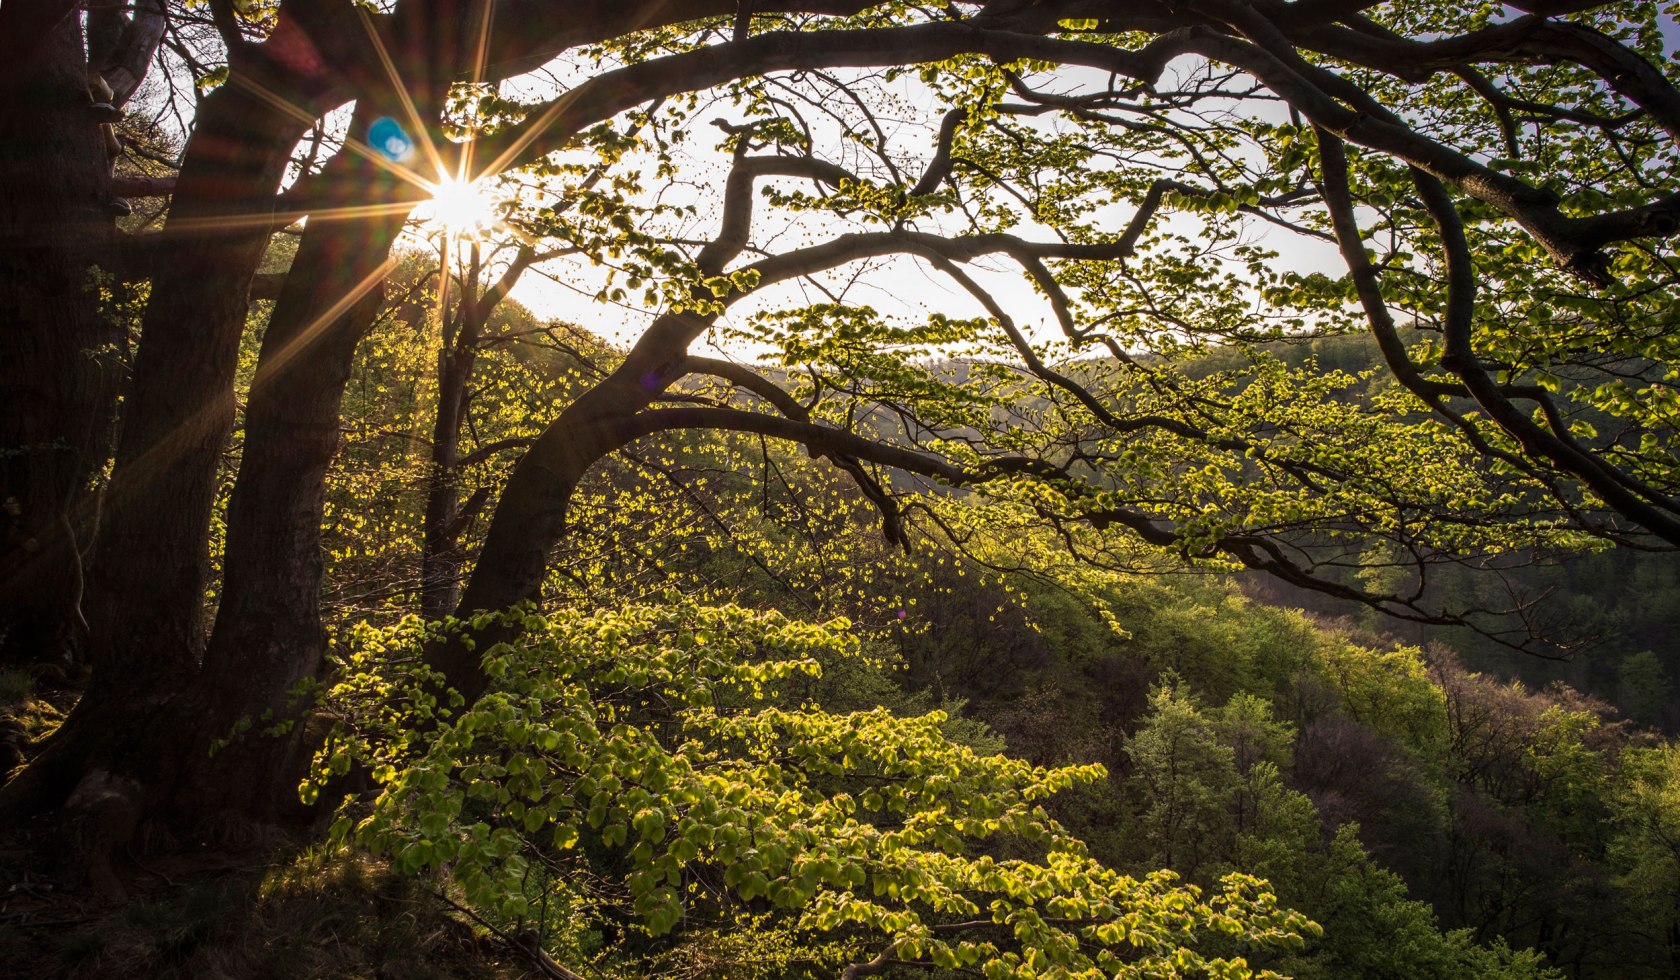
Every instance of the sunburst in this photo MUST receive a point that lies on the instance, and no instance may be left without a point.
(461, 208)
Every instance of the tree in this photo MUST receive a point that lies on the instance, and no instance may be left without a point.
(1186, 778)
(1116, 157)
(1644, 687)
(642, 762)
(1644, 846)
(59, 98)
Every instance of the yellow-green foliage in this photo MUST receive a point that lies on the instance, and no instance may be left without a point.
(1386, 690)
(627, 762)
(1645, 848)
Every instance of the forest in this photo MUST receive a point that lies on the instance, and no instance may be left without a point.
(831, 489)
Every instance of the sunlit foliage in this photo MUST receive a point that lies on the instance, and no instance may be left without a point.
(627, 765)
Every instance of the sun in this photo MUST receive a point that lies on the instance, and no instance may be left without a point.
(461, 208)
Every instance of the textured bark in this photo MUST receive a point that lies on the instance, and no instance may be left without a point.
(123, 52)
(440, 551)
(147, 591)
(268, 634)
(143, 186)
(57, 350)
(26, 28)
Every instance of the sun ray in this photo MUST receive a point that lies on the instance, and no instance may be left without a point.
(280, 219)
(422, 134)
(358, 147)
(481, 47)
(546, 118)
(481, 56)
(277, 361)
(142, 469)
(530, 133)
(274, 99)
(362, 149)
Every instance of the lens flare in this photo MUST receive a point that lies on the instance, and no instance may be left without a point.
(387, 136)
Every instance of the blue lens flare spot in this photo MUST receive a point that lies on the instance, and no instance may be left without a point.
(387, 136)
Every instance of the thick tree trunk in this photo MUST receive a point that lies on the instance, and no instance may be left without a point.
(150, 579)
(268, 634)
(57, 349)
(147, 586)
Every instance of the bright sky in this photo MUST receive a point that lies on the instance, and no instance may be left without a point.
(902, 287)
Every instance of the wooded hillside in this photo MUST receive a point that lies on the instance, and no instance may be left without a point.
(1045, 489)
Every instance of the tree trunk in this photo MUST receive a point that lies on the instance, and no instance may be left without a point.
(530, 517)
(150, 579)
(442, 555)
(57, 348)
(147, 586)
(268, 634)
(440, 558)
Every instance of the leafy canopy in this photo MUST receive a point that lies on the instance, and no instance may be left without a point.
(649, 741)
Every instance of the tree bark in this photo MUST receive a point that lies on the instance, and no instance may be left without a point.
(57, 348)
(268, 634)
(149, 582)
(440, 558)
(147, 587)
(150, 674)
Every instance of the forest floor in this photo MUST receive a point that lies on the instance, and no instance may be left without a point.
(277, 913)
(278, 908)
